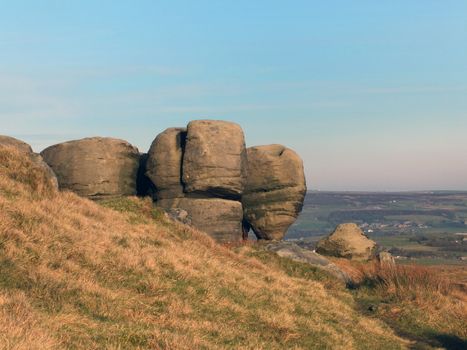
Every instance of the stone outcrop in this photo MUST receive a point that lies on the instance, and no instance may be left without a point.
(294, 252)
(95, 167)
(347, 241)
(274, 191)
(164, 163)
(36, 158)
(219, 218)
(214, 161)
(203, 171)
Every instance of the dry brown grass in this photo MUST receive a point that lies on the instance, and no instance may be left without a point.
(24, 176)
(422, 300)
(77, 275)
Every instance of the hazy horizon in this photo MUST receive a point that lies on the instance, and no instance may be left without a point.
(372, 95)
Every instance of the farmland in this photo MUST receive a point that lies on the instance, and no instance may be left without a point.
(426, 227)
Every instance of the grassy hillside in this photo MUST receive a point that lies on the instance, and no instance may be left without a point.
(119, 275)
(426, 304)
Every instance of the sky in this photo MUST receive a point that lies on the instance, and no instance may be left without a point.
(372, 94)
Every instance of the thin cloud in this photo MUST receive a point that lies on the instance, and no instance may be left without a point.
(413, 89)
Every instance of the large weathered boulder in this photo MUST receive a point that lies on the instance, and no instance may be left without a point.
(95, 167)
(164, 163)
(274, 191)
(296, 253)
(219, 218)
(23, 147)
(214, 161)
(347, 241)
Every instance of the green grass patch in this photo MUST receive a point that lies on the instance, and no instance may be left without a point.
(139, 211)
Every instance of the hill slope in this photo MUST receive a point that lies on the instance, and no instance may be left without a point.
(74, 274)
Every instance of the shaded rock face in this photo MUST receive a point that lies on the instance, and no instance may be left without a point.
(296, 253)
(36, 158)
(164, 163)
(219, 218)
(144, 186)
(275, 190)
(214, 161)
(95, 167)
(347, 241)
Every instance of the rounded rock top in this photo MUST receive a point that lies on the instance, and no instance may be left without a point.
(95, 166)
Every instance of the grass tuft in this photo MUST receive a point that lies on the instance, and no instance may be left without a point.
(419, 302)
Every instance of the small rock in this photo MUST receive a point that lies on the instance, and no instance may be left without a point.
(294, 252)
(386, 259)
(179, 215)
(347, 241)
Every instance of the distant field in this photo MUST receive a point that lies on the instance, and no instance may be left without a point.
(424, 226)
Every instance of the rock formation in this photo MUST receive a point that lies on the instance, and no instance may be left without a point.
(347, 241)
(274, 191)
(36, 158)
(206, 170)
(294, 252)
(164, 164)
(219, 218)
(201, 170)
(95, 167)
(215, 159)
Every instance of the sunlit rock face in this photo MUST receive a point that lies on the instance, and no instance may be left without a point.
(95, 167)
(219, 218)
(201, 169)
(347, 241)
(275, 190)
(215, 159)
(164, 163)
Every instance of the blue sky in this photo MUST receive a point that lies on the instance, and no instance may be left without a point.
(372, 94)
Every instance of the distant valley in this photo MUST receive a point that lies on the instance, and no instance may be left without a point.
(430, 227)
